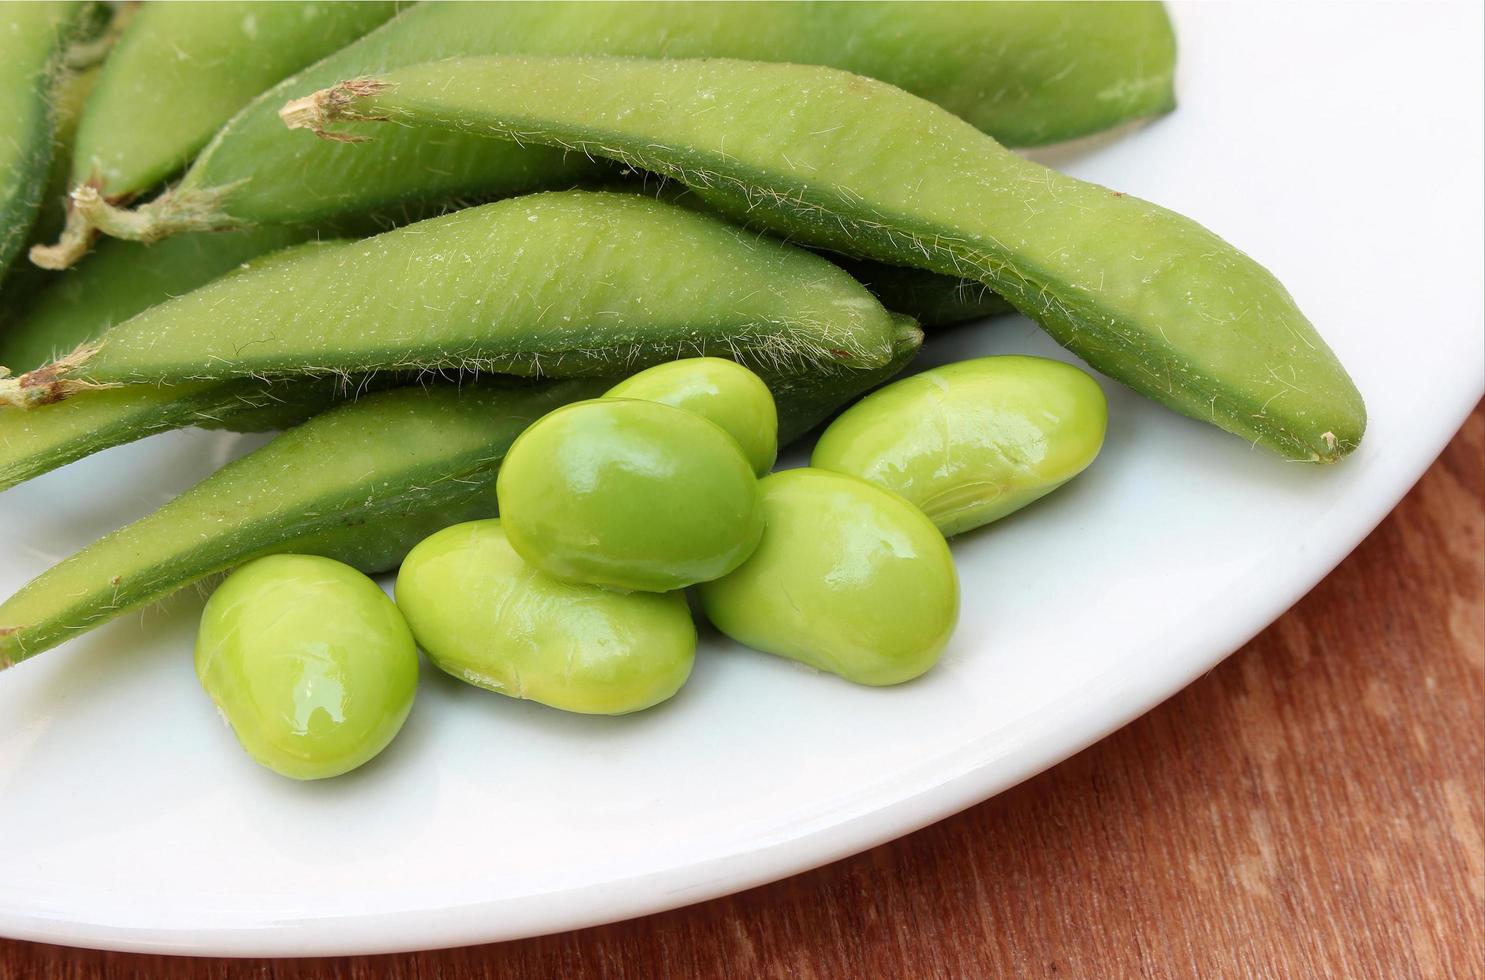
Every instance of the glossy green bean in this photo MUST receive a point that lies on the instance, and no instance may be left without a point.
(1144, 295)
(488, 618)
(1026, 72)
(310, 663)
(572, 284)
(629, 494)
(848, 578)
(970, 442)
(720, 391)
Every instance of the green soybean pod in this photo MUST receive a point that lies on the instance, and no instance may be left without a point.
(119, 280)
(386, 460)
(42, 439)
(971, 442)
(834, 160)
(122, 279)
(570, 284)
(34, 38)
(178, 72)
(361, 483)
(23, 280)
(1025, 72)
(848, 578)
(631, 495)
(486, 617)
(720, 391)
(310, 663)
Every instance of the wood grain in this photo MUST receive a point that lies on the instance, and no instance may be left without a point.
(1315, 807)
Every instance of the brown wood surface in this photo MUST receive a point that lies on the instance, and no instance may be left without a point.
(1314, 807)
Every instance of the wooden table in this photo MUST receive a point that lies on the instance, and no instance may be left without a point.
(1314, 807)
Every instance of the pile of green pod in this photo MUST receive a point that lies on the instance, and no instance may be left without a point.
(544, 338)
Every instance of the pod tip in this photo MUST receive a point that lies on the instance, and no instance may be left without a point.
(48, 384)
(174, 212)
(336, 103)
(77, 237)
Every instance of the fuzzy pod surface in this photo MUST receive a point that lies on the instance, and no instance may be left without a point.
(1145, 295)
(119, 280)
(1027, 73)
(565, 284)
(177, 73)
(362, 483)
(367, 474)
(24, 280)
(34, 40)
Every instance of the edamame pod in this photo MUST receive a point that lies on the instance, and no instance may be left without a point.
(1144, 295)
(969, 443)
(571, 284)
(24, 279)
(177, 73)
(380, 459)
(1026, 72)
(119, 280)
(50, 436)
(33, 443)
(34, 38)
(372, 478)
(122, 279)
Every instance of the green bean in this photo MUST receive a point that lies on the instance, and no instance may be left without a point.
(1026, 72)
(969, 443)
(178, 72)
(574, 284)
(486, 617)
(722, 392)
(1144, 295)
(848, 578)
(629, 494)
(309, 661)
(34, 40)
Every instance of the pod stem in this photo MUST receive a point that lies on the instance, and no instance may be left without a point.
(334, 104)
(172, 213)
(76, 239)
(48, 384)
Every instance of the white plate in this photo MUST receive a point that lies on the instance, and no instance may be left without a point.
(1341, 146)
